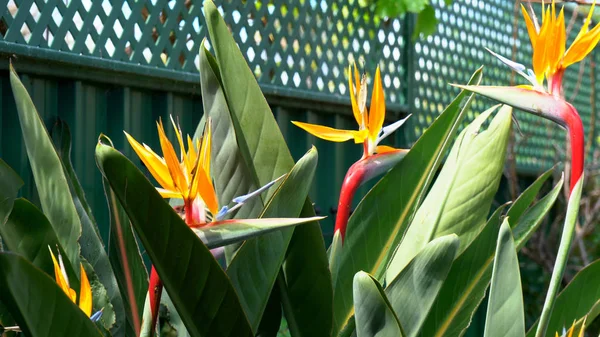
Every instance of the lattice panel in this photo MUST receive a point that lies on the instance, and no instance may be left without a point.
(457, 49)
(308, 45)
(162, 34)
(305, 46)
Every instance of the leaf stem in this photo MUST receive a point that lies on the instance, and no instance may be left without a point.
(561, 259)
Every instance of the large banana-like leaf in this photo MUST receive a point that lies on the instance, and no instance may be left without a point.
(412, 299)
(254, 286)
(230, 172)
(92, 247)
(306, 283)
(61, 137)
(505, 316)
(199, 288)
(379, 221)
(580, 298)
(125, 258)
(10, 183)
(374, 315)
(465, 286)
(460, 199)
(50, 180)
(38, 305)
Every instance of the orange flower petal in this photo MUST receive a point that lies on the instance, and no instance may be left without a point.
(560, 40)
(205, 148)
(61, 279)
(183, 157)
(191, 150)
(177, 174)
(582, 47)
(85, 294)
(384, 149)
(169, 194)
(355, 110)
(531, 30)
(377, 109)
(331, 134)
(153, 162)
(203, 185)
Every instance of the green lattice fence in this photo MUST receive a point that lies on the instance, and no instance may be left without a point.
(299, 49)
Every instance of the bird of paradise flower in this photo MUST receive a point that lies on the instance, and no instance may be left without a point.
(376, 158)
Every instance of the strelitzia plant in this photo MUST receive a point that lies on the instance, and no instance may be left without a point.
(85, 291)
(543, 96)
(376, 159)
(187, 177)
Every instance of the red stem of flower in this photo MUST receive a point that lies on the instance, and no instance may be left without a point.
(154, 291)
(352, 181)
(188, 208)
(575, 129)
(155, 285)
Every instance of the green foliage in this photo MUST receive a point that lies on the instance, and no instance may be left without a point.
(505, 305)
(374, 313)
(379, 221)
(419, 254)
(51, 183)
(426, 23)
(580, 298)
(201, 292)
(460, 199)
(305, 282)
(33, 297)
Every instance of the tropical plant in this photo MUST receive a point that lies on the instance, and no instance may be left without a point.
(415, 258)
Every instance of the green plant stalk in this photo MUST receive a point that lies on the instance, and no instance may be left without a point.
(561, 259)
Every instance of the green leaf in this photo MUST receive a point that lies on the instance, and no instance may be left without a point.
(38, 305)
(255, 267)
(125, 257)
(527, 197)
(100, 299)
(394, 8)
(307, 282)
(460, 199)
(230, 172)
(505, 316)
(199, 288)
(51, 183)
(28, 233)
(271, 320)
(170, 321)
(374, 314)
(465, 286)
(426, 22)
(413, 299)
(92, 247)
(10, 183)
(379, 221)
(231, 231)
(580, 298)
(61, 137)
